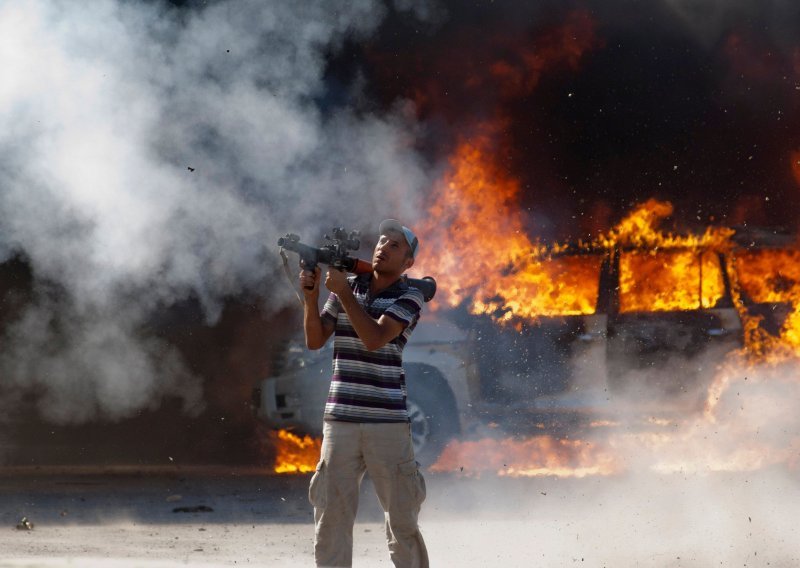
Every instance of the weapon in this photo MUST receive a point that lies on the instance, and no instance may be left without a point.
(335, 253)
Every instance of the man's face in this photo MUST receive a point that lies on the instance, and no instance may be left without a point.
(392, 254)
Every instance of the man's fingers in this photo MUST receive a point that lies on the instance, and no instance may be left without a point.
(309, 279)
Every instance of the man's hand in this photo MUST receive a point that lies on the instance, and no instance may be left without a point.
(317, 331)
(336, 282)
(309, 282)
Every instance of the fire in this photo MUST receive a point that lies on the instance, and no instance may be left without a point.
(749, 442)
(532, 457)
(663, 289)
(773, 277)
(491, 266)
(295, 454)
(640, 229)
(489, 258)
(491, 263)
(480, 248)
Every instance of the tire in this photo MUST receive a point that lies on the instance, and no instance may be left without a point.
(432, 411)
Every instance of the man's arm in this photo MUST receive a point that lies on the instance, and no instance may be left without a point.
(373, 333)
(317, 330)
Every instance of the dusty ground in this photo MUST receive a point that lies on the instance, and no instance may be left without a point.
(125, 517)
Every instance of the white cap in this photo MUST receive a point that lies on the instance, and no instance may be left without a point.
(393, 225)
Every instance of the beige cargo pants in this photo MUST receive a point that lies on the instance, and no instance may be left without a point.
(385, 452)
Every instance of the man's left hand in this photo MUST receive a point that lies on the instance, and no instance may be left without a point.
(336, 281)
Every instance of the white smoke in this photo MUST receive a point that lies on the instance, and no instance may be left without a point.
(715, 412)
(699, 489)
(150, 153)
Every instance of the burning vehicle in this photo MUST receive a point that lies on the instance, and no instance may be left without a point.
(575, 334)
(571, 315)
(557, 337)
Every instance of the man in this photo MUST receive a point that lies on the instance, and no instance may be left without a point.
(366, 425)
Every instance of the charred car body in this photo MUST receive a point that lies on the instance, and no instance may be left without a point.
(642, 335)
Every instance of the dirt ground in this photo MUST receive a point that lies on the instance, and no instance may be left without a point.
(214, 516)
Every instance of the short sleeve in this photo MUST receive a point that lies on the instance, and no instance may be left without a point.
(406, 308)
(331, 308)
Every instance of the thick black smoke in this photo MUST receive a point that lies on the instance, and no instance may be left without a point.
(691, 101)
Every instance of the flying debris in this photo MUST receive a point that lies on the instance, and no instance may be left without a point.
(24, 524)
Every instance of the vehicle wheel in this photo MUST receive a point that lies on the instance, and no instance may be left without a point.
(432, 411)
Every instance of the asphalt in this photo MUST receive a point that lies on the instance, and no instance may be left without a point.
(212, 516)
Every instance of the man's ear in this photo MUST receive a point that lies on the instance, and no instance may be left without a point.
(409, 263)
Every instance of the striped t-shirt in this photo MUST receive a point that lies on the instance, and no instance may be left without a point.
(370, 386)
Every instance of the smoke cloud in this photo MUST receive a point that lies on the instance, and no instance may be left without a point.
(697, 490)
(150, 154)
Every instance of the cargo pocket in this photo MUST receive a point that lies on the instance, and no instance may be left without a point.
(316, 490)
(411, 484)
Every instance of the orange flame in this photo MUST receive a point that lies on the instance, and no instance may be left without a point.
(295, 454)
(532, 457)
(657, 445)
(773, 277)
(475, 210)
(664, 289)
(641, 229)
(489, 258)
(490, 266)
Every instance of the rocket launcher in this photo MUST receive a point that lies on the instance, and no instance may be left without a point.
(336, 253)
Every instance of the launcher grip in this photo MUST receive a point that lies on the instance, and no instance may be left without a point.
(352, 265)
(361, 267)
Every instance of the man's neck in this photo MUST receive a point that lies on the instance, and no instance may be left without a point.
(380, 281)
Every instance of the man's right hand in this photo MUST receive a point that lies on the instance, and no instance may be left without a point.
(309, 282)
(316, 329)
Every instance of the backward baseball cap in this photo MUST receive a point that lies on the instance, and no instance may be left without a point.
(393, 225)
